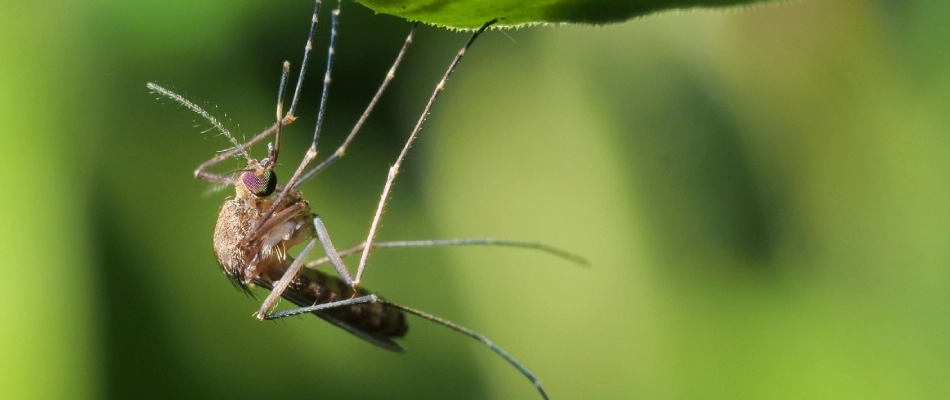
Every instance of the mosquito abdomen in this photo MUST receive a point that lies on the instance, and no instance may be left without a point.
(311, 287)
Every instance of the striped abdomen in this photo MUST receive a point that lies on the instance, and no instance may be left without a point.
(374, 322)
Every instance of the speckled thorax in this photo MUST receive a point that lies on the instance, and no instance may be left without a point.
(243, 259)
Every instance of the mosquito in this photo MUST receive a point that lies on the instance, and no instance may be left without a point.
(256, 228)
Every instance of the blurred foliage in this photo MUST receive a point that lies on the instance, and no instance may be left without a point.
(763, 195)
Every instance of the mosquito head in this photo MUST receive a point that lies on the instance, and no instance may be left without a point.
(258, 179)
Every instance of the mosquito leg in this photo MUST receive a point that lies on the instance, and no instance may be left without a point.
(474, 335)
(370, 298)
(306, 59)
(280, 286)
(332, 254)
(424, 315)
(369, 109)
(312, 151)
(402, 155)
(574, 258)
(564, 254)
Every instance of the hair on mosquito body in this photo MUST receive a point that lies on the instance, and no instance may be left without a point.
(258, 226)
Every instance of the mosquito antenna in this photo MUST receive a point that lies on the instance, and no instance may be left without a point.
(197, 110)
(312, 151)
(402, 155)
(564, 254)
(369, 109)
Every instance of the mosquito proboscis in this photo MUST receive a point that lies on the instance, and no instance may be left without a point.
(256, 228)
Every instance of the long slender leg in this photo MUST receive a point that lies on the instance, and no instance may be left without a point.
(402, 155)
(306, 58)
(369, 109)
(446, 323)
(477, 336)
(370, 298)
(461, 242)
(332, 254)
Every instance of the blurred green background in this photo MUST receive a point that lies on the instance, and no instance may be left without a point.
(763, 195)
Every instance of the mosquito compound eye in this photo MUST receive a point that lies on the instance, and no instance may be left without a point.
(262, 183)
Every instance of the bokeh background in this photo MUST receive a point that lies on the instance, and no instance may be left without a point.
(763, 195)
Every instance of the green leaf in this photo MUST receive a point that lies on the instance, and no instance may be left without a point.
(467, 14)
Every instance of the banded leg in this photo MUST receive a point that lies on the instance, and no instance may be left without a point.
(369, 109)
(402, 155)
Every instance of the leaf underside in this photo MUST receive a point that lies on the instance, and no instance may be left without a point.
(468, 14)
